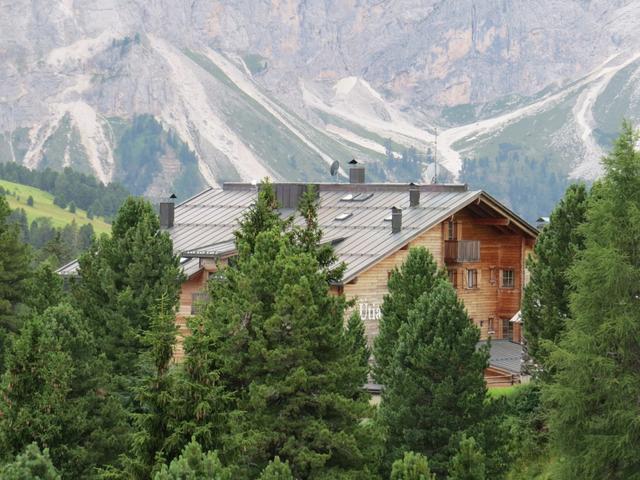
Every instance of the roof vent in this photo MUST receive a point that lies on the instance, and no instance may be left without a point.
(167, 212)
(396, 220)
(414, 195)
(356, 172)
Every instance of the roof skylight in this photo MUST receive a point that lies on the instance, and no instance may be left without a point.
(358, 197)
(344, 216)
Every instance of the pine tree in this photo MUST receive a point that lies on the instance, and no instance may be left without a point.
(545, 307)
(417, 275)
(53, 393)
(32, 464)
(276, 470)
(285, 354)
(44, 289)
(412, 466)
(154, 399)
(14, 272)
(435, 389)
(122, 277)
(309, 236)
(194, 464)
(468, 463)
(262, 216)
(357, 343)
(593, 397)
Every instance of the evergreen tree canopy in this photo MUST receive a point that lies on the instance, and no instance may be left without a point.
(435, 389)
(14, 267)
(417, 275)
(32, 464)
(412, 466)
(545, 307)
(468, 463)
(194, 464)
(262, 216)
(593, 398)
(53, 393)
(123, 276)
(154, 398)
(276, 470)
(286, 356)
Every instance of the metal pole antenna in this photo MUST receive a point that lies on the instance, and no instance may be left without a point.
(435, 158)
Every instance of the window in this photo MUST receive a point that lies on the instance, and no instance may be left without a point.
(452, 230)
(508, 278)
(472, 278)
(453, 277)
(343, 216)
(490, 328)
(507, 329)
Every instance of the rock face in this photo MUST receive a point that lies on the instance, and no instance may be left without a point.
(282, 87)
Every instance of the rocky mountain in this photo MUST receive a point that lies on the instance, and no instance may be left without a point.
(168, 94)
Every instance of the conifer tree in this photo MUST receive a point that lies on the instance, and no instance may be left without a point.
(435, 389)
(53, 393)
(545, 307)
(14, 271)
(194, 464)
(154, 398)
(593, 396)
(32, 464)
(357, 343)
(262, 216)
(276, 470)
(468, 463)
(417, 275)
(122, 277)
(412, 466)
(287, 357)
(309, 236)
(44, 289)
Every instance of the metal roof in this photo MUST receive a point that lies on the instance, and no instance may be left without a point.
(505, 355)
(204, 224)
(365, 236)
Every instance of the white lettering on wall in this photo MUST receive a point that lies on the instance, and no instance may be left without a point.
(370, 311)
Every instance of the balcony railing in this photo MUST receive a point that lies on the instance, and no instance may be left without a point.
(457, 251)
(198, 301)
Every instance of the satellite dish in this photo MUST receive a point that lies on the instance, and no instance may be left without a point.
(335, 166)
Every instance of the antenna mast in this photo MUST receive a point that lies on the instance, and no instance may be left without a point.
(435, 158)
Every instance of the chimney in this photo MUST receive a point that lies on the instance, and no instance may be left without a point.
(414, 195)
(396, 220)
(356, 172)
(167, 212)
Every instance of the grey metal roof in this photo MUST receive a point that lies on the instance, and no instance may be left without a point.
(69, 269)
(213, 216)
(204, 224)
(505, 355)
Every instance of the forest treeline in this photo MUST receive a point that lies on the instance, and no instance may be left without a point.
(271, 384)
(69, 186)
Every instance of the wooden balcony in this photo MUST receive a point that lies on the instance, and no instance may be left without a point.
(459, 251)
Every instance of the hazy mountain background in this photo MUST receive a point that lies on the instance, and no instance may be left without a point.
(168, 95)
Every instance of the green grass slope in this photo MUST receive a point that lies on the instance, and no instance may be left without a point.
(43, 207)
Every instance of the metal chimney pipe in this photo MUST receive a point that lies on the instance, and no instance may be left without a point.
(167, 212)
(356, 172)
(414, 195)
(396, 220)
